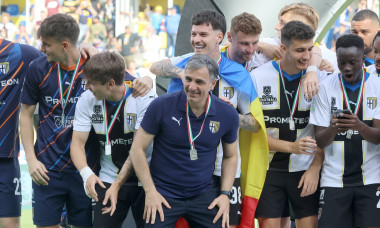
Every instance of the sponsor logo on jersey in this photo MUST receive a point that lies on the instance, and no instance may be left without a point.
(131, 119)
(9, 82)
(214, 126)
(97, 109)
(228, 92)
(4, 67)
(97, 117)
(333, 105)
(372, 102)
(267, 98)
(63, 123)
(53, 101)
(119, 141)
(282, 120)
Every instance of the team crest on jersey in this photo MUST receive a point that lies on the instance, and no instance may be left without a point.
(267, 98)
(214, 126)
(228, 92)
(4, 67)
(97, 109)
(372, 102)
(131, 119)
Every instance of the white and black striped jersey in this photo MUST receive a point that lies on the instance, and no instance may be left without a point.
(276, 114)
(348, 162)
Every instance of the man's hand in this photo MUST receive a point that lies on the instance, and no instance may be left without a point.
(87, 50)
(142, 86)
(225, 99)
(348, 121)
(90, 186)
(153, 201)
(306, 145)
(111, 194)
(223, 202)
(310, 85)
(326, 66)
(309, 180)
(270, 50)
(38, 172)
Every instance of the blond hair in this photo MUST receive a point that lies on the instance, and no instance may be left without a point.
(303, 11)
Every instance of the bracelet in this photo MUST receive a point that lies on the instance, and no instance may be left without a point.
(227, 193)
(312, 68)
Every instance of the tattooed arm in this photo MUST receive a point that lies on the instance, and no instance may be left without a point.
(248, 123)
(165, 68)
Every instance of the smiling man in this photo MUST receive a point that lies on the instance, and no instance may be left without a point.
(107, 104)
(187, 126)
(350, 174)
(293, 170)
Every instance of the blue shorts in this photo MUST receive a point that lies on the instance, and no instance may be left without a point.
(193, 209)
(63, 188)
(10, 190)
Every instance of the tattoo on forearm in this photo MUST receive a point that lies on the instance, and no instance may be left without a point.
(247, 122)
(166, 69)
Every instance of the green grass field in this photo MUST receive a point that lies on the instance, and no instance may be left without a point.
(26, 219)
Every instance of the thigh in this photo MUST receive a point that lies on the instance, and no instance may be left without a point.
(138, 205)
(301, 206)
(273, 199)
(367, 206)
(78, 204)
(10, 190)
(335, 207)
(178, 208)
(105, 220)
(48, 201)
(198, 214)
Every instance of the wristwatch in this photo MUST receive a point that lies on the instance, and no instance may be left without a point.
(227, 193)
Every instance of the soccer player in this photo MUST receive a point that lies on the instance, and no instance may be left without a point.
(15, 59)
(235, 87)
(293, 170)
(308, 15)
(350, 173)
(107, 94)
(55, 82)
(375, 68)
(366, 24)
(187, 127)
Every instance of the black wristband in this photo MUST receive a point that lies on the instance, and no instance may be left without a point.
(227, 193)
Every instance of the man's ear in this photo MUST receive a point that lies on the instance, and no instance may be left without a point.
(65, 45)
(283, 47)
(213, 83)
(111, 83)
(229, 37)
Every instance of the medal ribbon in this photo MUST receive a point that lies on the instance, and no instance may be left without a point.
(72, 82)
(109, 127)
(296, 98)
(245, 65)
(190, 133)
(360, 95)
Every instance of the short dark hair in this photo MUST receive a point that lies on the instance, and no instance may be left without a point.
(296, 30)
(350, 40)
(366, 14)
(376, 36)
(197, 61)
(60, 27)
(217, 20)
(105, 66)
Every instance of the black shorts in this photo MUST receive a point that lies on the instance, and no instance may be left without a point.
(129, 196)
(235, 201)
(279, 187)
(349, 207)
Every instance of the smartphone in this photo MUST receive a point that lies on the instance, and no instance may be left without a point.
(345, 111)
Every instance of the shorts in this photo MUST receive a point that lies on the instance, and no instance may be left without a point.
(235, 201)
(63, 188)
(279, 187)
(129, 197)
(349, 207)
(193, 209)
(10, 190)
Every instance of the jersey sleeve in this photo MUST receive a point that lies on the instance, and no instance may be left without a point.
(320, 111)
(244, 103)
(30, 91)
(231, 135)
(178, 59)
(153, 115)
(82, 118)
(142, 105)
